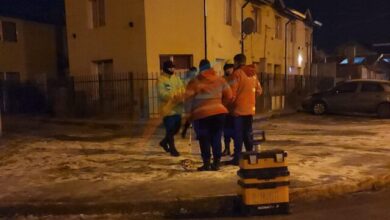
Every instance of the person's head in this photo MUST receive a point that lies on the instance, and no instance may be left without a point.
(168, 67)
(193, 69)
(228, 69)
(204, 65)
(239, 60)
(191, 73)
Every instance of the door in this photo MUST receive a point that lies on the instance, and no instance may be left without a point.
(182, 62)
(342, 97)
(369, 97)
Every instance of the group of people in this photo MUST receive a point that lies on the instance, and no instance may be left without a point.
(215, 106)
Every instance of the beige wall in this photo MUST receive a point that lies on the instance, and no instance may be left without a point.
(40, 51)
(174, 27)
(12, 57)
(265, 45)
(116, 40)
(34, 54)
(223, 40)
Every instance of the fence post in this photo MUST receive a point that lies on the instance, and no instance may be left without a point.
(1, 125)
(101, 93)
(71, 95)
(130, 81)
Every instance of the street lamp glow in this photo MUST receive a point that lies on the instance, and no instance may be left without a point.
(300, 60)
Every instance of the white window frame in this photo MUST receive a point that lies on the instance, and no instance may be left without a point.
(97, 13)
(257, 14)
(229, 12)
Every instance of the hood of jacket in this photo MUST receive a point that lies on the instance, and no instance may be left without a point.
(249, 70)
(208, 75)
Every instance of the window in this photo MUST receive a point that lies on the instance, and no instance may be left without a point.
(10, 76)
(372, 87)
(182, 62)
(293, 32)
(257, 17)
(345, 61)
(8, 31)
(98, 13)
(278, 27)
(347, 88)
(358, 60)
(104, 67)
(229, 12)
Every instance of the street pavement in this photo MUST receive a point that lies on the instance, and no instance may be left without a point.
(359, 206)
(47, 164)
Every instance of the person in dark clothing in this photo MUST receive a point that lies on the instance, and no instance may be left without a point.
(228, 130)
(205, 100)
(170, 91)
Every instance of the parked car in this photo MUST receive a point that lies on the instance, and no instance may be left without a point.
(354, 96)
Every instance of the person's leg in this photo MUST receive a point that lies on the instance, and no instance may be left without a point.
(185, 128)
(164, 141)
(228, 133)
(203, 135)
(226, 150)
(248, 132)
(226, 137)
(216, 135)
(175, 127)
(238, 138)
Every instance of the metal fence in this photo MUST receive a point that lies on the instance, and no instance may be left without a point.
(134, 95)
(22, 98)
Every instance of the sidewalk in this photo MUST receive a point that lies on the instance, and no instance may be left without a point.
(51, 168)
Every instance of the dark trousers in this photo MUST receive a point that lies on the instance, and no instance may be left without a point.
(172, 126)
(228, 130)
(209, 133)
(242, 134)
(186, 125)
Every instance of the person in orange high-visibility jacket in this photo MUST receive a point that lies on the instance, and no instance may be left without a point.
(205, 98)
(245, 86)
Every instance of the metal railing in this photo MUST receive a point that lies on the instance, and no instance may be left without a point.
(135, 95)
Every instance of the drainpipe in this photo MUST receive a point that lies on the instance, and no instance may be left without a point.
(205, 27)
(242, 21)
(285, 46)
(311, 52)
(285, 55)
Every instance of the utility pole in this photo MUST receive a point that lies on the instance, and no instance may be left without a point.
(1, 125)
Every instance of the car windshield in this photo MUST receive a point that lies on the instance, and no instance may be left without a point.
(348, 87)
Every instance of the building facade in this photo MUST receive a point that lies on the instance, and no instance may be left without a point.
(27, 50)
(138, 35)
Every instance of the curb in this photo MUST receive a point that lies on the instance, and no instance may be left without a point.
(202, 207)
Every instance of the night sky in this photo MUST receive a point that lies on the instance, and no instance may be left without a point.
(364, 21)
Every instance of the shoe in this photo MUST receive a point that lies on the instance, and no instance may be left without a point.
(233, 162)
(216, 165)
(205, 167)
(164, 146)
(174, 153)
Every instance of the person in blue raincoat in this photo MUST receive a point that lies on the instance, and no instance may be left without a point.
(190, 75)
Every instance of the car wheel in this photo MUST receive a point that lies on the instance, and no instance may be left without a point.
(319, 108)
(384, 110)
